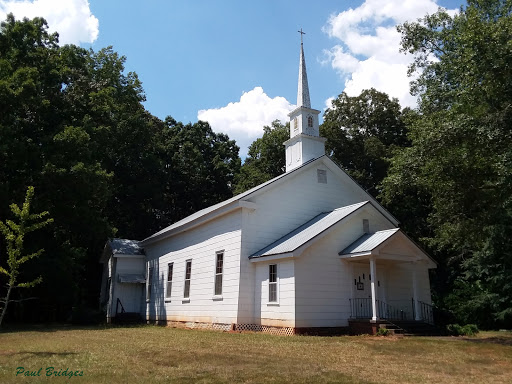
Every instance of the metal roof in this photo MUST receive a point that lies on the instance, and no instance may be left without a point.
(307, 231)
(369, 241)
(134, 278)
(125, 247)
(215, 207)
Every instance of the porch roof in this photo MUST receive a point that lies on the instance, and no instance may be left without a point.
(134, 278)
(373, 244)
(368, 242)
(126, 247)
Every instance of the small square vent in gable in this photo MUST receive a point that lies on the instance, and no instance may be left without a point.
(321, 175)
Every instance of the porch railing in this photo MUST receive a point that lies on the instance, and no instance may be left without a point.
(426, 311)
(362, 309)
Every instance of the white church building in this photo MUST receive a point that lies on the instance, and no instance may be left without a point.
(307, 251)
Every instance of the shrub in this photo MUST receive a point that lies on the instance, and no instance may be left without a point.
(383, 332)
(462, 330)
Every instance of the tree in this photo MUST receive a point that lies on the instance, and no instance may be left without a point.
(199, 168)
(73, 125)
(266, 157)
(460, 155)
(14, 234)
(362, 133)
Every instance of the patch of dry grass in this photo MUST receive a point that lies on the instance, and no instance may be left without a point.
(151, 354)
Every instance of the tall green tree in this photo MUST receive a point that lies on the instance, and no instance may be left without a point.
(460, 155)
(15, 234)
(72, 124)
(266, 157)
(199, 168)
(362, 132)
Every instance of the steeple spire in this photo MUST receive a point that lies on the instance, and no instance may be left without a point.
(303, 89)
(305, 142)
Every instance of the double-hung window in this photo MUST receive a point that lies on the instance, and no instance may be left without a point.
(272, 283)
(219, 265)
(168, 292)
(188, 273)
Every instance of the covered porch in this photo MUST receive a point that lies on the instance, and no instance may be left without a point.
(389, 272)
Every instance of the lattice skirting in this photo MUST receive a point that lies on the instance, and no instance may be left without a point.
(195, 325)
(281, 331)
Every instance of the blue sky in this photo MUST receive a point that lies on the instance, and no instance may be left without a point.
(235, 63)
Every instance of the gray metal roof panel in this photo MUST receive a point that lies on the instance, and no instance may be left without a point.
(307, 231)
(369, 241)
(126, 247)
(133, 278)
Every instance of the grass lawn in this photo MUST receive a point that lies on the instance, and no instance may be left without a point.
(152, 354)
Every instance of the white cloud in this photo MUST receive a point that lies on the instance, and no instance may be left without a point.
(244, 120)
(328, 103)
(71, 18)
(368, 55)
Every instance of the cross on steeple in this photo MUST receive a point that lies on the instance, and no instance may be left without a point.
(301, 33)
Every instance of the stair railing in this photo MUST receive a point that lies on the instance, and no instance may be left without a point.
(117, 306)
(388, 312)
(426, 311)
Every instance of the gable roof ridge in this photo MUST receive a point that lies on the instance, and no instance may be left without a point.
(372, 199)
(197, 215)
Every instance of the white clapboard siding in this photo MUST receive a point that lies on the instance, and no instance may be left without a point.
(282, 312)
(288, 205)
(199, 245)
(324, 281)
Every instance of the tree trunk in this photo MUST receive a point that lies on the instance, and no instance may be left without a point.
(4, 309)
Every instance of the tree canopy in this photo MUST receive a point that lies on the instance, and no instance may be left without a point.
(460, 155)
(73, 125)
(362, 132)
(266, 157)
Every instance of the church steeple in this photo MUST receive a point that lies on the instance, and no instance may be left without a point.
(305, 142)
(303, 89)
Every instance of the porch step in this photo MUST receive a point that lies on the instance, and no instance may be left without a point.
(391, 327)
(128, 318)
(417, 328)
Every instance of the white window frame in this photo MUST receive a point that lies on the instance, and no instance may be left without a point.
(168, 286)
(219, 275)
(274, 284)
(187, 281)
(149, 284)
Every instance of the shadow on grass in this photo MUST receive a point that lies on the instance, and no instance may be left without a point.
(37, 354)
(58, 327)
(492, 340)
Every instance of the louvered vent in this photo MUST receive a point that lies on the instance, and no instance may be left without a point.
(366, 226)
(321, 176)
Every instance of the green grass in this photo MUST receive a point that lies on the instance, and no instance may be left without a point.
(151, 354)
